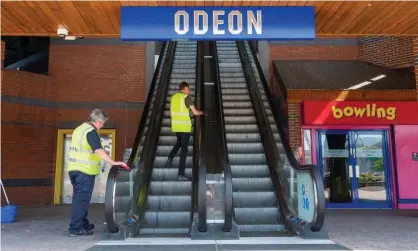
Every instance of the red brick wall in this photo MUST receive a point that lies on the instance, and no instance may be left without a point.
(392, 52)
(28, 135)
(105, 73)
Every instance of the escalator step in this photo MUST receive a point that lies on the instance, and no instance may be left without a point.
(166, 174)
(163, 219)
(241, 128)
(245, 148)
(252, 184)
(243, 138)
(171, 188)
(160, 161)
(258, 215)
(239, 112)
(265, 199)
(255, 171)
(247, 159)
(170, 203)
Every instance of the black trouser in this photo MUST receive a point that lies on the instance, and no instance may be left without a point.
(83, 185)
(183, 142)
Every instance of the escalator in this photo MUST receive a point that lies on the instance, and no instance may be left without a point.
(265, 173)
(149, 200)
(254, 199)
(169, 200)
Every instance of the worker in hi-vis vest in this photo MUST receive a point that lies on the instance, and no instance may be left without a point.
(181, 124)
(84, 162)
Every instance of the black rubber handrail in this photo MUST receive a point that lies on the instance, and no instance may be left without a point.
(223, 150)
(135, 217)
(199, 167)
(319, 217)
(270, 145)
(112, 179)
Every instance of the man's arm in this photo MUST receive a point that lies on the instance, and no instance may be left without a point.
(94, 141)
(190, 105)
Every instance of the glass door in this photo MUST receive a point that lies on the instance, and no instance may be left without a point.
(372, 169)
(334, 161)
(356, 168)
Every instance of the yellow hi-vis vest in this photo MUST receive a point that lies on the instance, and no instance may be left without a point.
(81, 157)
(180, 118)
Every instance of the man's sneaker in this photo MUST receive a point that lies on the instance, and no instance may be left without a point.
(81, 232)
(89, 227)
(182, 178)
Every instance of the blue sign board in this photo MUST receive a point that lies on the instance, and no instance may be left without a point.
(217, 23)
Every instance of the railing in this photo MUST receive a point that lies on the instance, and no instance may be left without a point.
(115, 174)
(295, 202)
(199, 166)
(223, 156)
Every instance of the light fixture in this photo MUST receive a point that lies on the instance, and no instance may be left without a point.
(362, 84)
(378, 77)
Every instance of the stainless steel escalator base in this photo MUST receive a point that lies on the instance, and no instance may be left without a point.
(255, 202)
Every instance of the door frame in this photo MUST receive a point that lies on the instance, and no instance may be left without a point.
(59, 158)
(391, 186)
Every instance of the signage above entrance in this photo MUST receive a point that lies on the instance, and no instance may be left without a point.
(360, 113)
(217, 23)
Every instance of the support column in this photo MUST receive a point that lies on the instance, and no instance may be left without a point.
(264, 57)
(150, 64)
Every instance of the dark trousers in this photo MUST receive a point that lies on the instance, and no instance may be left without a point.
(183, 143)
(83, 185)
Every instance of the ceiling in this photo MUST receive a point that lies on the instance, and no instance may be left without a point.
(102, 18)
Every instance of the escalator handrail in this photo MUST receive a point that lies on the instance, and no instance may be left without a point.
(319, 218)
(199, 167)
(136, 214)
(112, 179)
(223, 156)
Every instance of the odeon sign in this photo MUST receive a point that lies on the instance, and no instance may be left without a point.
(217, 23)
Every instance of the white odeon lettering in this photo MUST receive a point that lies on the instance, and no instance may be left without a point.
(235, 22)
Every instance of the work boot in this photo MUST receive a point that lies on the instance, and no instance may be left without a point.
(169, 163)
(89, 227)
(183, 178)
(81, 232)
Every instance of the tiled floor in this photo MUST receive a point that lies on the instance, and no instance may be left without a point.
(45, 228)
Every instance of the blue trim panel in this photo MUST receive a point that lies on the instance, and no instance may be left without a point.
(27, 182)
(408, 201)
(71, 105)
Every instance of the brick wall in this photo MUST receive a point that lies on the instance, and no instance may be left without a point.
(391, 52)
(102, 76)
(34, 107)
(28, 137)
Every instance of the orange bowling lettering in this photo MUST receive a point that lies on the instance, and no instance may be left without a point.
(364, 112)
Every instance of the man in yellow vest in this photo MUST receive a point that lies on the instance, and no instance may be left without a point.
(181, 124)
(84, 162)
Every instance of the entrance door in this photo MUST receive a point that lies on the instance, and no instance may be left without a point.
(356, 168)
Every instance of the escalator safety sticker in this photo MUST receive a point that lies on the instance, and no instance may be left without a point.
(131, 220)
(305, 199)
